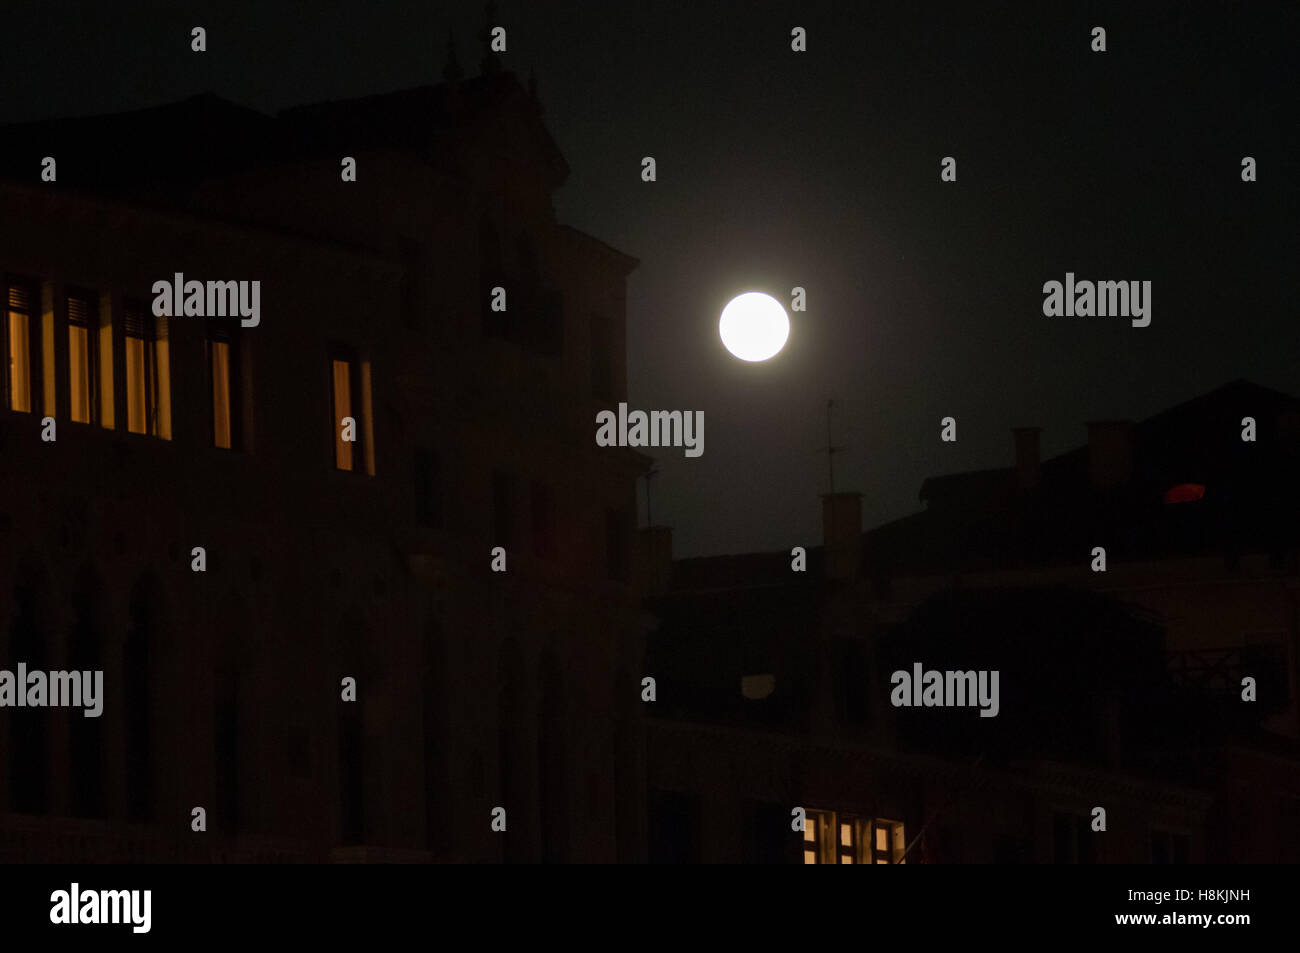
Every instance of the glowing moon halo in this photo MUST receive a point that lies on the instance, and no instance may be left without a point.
(754, 326)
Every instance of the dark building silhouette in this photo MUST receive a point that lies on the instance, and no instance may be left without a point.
(1119, 689)
(325, 558)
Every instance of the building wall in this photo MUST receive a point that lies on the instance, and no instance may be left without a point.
(315, 574)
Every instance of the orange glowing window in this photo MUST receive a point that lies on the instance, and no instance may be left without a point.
(834, 838)
(18, 346)
(811, 826)
(848, 846)
(888, 844)
(1184, 493)
(148, 373)
(351, 410)
(82, 328)
(220, 369)
(344, 421)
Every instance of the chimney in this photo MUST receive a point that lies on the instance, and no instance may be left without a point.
(1026, 456)
(842, 534)
(1110, 452)
(657, 543)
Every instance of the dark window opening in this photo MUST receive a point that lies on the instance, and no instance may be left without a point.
(503, 509)
(543, 512)
(224, 386)
(428, 495)
(617, 548)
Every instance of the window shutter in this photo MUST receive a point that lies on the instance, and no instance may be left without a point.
(20, 298)
(78, 310)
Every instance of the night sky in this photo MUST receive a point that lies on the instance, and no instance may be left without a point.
(821, 169)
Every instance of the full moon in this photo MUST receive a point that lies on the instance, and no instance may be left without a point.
(754, 326)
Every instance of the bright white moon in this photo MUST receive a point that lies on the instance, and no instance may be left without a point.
(754, 326)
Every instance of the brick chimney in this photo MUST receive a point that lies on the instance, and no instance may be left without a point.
(842, 534)
(657, 546)
(1027, 458)
(1110, 452)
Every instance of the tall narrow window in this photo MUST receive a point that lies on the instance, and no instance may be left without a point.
(495, 324)
(811, 827)
(617, 536)
(1073, 841)
(29, 747)
(139, 686)
(226, 749)
(83, 328)
(351, 417)
(148, 383)
(543, 506)
(223, 375)
(847, 848)
(503, 509)
(87, 742)
(552, 761)
(888, 841)
(18, 344)
(343, 416)
(428, 498)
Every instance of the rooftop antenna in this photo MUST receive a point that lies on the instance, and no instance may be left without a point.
(831, 449)
(489, 64)
(452, 72)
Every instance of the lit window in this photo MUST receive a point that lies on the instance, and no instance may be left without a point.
(833, 838)
(811, 853)
(342, 411)
(18, 341)
(83, 327)
(887, 843)
(148, 375)
(223, 374)
(354, 447)
(848, 846)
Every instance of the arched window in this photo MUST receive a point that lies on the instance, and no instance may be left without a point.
(552, 760)
(29, 742)
(352, 786)
(512, 750)
(433, 687)
(86, 742)
(138, 686)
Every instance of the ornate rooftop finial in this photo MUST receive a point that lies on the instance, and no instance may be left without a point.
(489, 64)
(452, 72)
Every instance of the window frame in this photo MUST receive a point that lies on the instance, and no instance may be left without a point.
(153, 332)
(91, 324)
(226, 332)
(32, 289)
(352, 357)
